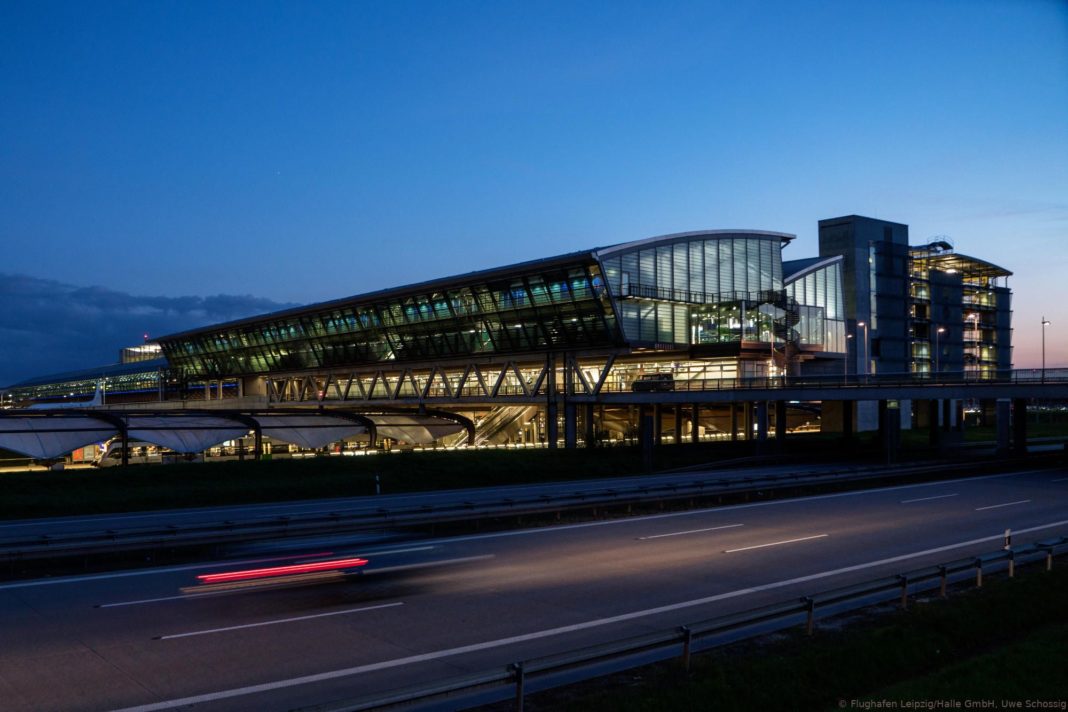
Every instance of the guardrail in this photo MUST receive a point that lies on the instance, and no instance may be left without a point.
(682, 641)
(45, 547)
(1028, 377)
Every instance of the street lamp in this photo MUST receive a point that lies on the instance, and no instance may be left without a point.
(845, 362)
(867, 358)
(938, 347)
(1045, 323)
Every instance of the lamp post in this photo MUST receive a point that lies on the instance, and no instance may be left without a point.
(845, 362)
(1045, 323)
(938, 347)
(867, 357)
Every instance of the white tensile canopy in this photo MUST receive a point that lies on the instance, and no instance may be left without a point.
(311, 431)
(415, 429)
(49, 437)
(185, 433)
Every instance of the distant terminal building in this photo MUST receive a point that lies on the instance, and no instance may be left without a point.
(530, 352)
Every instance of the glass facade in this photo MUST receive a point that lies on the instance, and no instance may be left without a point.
(969, 300)
(552, 308)
(699, 289)
(818, 292)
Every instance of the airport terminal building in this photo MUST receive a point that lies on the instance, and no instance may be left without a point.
(553, 350)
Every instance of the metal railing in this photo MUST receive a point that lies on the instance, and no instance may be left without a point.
(683, 640)
(884, 380)
(466, 506)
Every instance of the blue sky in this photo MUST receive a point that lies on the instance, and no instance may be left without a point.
(298, 152)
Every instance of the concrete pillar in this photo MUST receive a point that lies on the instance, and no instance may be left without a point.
(570, 426)
(947, 414)
(1019, 425)
(678, 424)
(889, 428)
(934, 433)
(780, 422)
(847, 420)
(734, 421)
(646, 428)
(695, 424)
(658, 425)
(762, 420)
(1003, 409)
(747, 420)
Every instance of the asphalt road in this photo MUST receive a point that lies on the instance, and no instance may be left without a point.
(134, 640)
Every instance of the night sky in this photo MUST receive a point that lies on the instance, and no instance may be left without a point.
(164, 152)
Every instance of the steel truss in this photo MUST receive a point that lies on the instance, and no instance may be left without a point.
(512, 380)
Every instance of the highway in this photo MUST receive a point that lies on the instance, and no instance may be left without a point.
(133, 640)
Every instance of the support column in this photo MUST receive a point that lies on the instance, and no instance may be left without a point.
(552, 428)
(747, 420)
(934, 433)
(125, 435)
(947, 415)
(1003, 410)
(1019, 425)
(889, 428)
(734, 421)
(646, 435)
(695, 424)
(678, 424)
(658, 425)
(762, 420)
(588, 425)
(847, 420)
(780, 423)
(570, 429)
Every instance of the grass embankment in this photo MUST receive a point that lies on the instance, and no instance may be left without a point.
(140, 487)
(1007, 641)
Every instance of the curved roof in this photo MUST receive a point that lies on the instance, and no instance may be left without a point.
(94, 374)
(796, 269)
(784, 238)
(455, 281)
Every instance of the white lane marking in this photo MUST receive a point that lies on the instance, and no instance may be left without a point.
(928, 499)
(1060, 479)
(138, 603)
(1006, 504)
(449, 652)
(691, 531)
(566, 527)
(278, 621)
(731, 507)
(775, 543)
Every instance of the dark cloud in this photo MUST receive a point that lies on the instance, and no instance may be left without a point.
(50, 327)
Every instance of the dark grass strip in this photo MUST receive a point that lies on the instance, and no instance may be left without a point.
(1009, 638)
